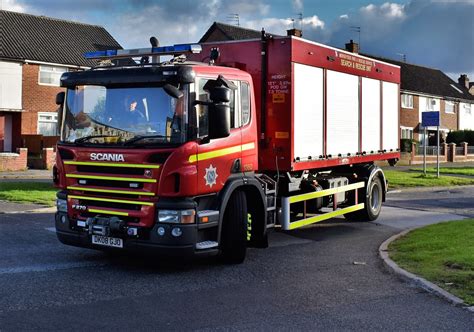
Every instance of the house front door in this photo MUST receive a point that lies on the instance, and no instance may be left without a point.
(7, 134)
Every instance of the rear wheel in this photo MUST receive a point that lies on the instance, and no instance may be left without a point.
(234, 229)
(373, 202)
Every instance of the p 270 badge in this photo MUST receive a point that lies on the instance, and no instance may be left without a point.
(79, 207)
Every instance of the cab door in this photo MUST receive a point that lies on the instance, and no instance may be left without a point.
(218, 159)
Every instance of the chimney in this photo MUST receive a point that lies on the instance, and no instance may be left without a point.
(352, 47)
(294, 32)
(464, 81)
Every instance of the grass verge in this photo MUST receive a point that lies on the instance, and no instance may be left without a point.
(448, 170)
(442, 253)
(401, 179)
(28, 192)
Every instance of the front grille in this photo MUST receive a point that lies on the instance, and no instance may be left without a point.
(113, 184)
(111, 205)
(115, 195)
(110, 170)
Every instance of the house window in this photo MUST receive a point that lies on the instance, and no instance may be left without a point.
(406, 133)
(468, 109)
(47, 123)
(407, 101)
(449, 106)
(50, 75)
(430, 104)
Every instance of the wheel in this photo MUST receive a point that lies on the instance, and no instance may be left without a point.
(373, 202)
(234, 229)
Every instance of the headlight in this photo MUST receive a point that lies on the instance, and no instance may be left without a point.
(176, 216)
(61, 204)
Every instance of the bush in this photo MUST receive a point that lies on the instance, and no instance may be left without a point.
(460, 136)
(405, 144)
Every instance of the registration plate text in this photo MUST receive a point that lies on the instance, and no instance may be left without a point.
(107, 241)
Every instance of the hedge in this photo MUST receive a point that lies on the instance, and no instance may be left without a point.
(460, 136)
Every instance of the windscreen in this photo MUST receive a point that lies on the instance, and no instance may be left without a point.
(135, 115)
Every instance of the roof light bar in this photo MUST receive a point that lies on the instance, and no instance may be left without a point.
(138, 52)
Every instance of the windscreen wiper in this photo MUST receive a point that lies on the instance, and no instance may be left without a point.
(86, 138)
(142, 137)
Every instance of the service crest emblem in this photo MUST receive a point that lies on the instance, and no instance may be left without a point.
(211, 176)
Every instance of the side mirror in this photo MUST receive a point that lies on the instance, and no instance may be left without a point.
(220, 94)
(219, 112)
(60, 101)
(60, 98)
(173, 91)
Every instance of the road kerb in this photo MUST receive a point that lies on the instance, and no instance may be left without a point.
(414, 279)
(40, 210)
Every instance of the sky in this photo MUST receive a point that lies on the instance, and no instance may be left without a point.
(432, 33)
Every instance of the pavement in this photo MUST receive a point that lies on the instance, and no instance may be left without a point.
(28, 175)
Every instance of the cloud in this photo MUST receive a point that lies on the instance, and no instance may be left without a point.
(13, 5)
(435, 33)
(280, 25)
(297, 5)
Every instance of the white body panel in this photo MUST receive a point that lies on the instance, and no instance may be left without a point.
(370, 115)
(308, 111)
(10, 85)
(342, 114)
(390, 116)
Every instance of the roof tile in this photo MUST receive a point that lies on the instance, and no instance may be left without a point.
(39, 38)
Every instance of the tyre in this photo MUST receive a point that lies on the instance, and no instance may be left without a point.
(234, 229)
(373, 202)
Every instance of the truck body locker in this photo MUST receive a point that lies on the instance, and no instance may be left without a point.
(291, 63)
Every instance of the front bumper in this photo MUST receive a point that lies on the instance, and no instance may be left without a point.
(147, 242)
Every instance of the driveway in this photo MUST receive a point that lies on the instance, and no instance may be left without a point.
(327, 276)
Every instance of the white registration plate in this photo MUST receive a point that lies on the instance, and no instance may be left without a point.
(107, 241)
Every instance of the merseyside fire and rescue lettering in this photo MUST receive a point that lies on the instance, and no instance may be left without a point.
(355, 62)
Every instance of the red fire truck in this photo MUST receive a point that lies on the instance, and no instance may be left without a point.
(203, 153)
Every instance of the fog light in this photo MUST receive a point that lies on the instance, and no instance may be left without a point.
(176, 232)
(63, 219)
(132, 231)
(161, 231)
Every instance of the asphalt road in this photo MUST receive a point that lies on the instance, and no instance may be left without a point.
(325, 277)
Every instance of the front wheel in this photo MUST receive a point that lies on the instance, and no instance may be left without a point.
(234, 229)
(373, 202)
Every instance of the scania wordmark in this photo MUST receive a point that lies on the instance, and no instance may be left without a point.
(204, 153)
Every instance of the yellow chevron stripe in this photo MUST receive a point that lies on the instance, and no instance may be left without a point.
(112, 178)
(325, 216)
(92, 163)
(221, 152)
(115, 213)
(326, 192)
(111, 191)
(111, 200)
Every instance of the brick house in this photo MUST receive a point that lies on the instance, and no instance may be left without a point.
(220, 31)
(34, 52)
(426, 89)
